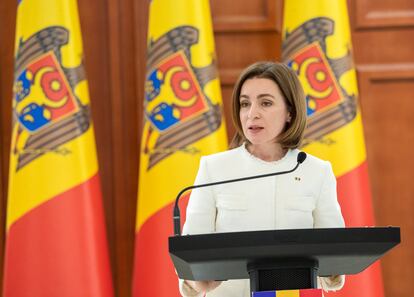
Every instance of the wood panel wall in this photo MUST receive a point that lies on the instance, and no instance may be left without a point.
(115, 42)
(7, 25)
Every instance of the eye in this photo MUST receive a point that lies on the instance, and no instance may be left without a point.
(267, 103)
(244, 104)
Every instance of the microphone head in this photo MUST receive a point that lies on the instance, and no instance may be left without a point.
(301, 157)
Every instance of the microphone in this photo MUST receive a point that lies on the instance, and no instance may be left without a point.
(176, 213)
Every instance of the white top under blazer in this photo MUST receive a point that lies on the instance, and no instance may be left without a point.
(305, 198)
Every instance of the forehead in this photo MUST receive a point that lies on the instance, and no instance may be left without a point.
(257, 86)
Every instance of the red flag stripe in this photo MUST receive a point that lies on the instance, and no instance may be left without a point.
(151, 253)
(62, 236)
(354, 196)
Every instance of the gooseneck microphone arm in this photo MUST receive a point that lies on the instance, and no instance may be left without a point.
(176, 213)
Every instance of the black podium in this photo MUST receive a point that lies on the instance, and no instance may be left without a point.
(280, 259)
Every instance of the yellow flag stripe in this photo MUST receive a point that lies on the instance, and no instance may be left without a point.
(287, 293)
(32, 16)
(345, 147)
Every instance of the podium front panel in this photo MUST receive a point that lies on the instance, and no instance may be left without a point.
(223, 256)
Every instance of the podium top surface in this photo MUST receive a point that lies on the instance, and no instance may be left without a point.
(223, 256)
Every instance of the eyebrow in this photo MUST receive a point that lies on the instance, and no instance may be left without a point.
(260, 96)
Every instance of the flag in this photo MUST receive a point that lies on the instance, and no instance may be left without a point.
(183, 121)
(317, 45)
(289, 293)
(56, 242)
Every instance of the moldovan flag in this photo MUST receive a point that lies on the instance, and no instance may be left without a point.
(56, 242)
(183, 121)
(317, 45)
(290, 293)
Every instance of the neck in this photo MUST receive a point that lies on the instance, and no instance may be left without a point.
(267, 152)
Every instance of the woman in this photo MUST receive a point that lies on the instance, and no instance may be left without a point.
(269, 112)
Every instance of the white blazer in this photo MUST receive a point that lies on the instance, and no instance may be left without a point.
(305, 198)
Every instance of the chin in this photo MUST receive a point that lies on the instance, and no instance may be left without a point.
(256, 141)
(260, 141)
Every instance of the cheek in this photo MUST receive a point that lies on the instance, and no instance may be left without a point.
(242, 117)
(279, 120)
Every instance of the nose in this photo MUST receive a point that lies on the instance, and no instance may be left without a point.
(254, 112)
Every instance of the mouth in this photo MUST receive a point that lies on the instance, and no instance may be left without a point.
(255, 128)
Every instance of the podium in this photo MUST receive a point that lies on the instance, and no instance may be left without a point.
(280, 259)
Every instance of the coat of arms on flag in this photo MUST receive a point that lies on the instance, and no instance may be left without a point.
(46, 109)
(175, 102)
(328, 104)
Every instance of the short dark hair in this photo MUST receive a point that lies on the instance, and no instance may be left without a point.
(292, 92)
